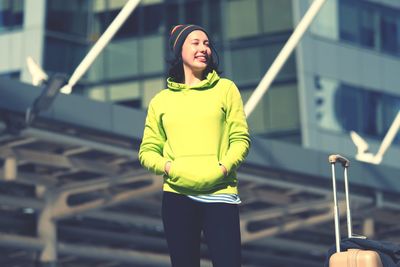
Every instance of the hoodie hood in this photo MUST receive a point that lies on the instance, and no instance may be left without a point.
(211, 78)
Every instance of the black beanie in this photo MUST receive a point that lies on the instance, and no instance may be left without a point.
(178, 36)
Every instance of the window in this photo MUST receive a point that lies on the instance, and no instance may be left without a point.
(121, 59)
(146, 19)
(173, 15)
(152, 19)
(368, 21)
(269, 54)
(153, 54)
(343, 107)
(150, 88)
(130, 28)
(349, 21)
(68, 17)
(239, 23)
(349, 107)
(194, 12)
(11, 14)
(14, 75)
(125, 93)
(277, 15)
(364, 23)
(390, 34)
(63, 55)
(277, 113)
(246, 64)
(249, 64)
(214, 19)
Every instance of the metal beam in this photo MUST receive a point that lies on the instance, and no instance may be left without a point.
(308, 188)
(21, 202)
(79, 141)
(57, 160)
(133, 219)
(248, 236)
(266, 214)
(292, 245)
(105, 181)
(29, 178)
(47, 232)
(267, 258)
(62, 209)
(98, 253)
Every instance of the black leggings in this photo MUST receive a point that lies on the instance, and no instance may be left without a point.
(184, 219)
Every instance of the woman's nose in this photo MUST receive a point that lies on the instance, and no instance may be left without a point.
(203, 47)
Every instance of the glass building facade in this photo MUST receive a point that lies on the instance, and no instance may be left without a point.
(356, 87)
(342, 77)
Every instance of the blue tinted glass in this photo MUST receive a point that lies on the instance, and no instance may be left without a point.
(370, 25)
(349, 21)
(63, 55)
(15, 75)
(348, 107)
(194, 12)
(370, 112)
(130, 28)
(367, 112)
(367, 28)
(153, 18)
(11, 14)
(67, 16)
(389, 33)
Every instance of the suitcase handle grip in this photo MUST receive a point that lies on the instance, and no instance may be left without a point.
(338, 158)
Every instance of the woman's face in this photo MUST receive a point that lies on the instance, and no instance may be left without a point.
(196, 51)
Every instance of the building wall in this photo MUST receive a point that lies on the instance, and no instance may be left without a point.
(23, 38)
(350, 81)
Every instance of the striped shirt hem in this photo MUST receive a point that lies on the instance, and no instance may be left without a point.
(218, 198)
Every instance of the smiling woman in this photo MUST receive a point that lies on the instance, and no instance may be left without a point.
(196, 135)
(195, 53)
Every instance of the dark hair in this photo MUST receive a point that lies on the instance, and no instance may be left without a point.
(175, 70)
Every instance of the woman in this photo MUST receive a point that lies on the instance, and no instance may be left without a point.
(196, 135)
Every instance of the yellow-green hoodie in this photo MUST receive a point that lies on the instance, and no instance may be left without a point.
(197, 128)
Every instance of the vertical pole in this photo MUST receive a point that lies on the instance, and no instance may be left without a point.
(47, 232)
(336, 209)
(346, 187)
(10, 168)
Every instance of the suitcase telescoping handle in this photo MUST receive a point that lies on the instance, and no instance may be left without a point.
(345, 163)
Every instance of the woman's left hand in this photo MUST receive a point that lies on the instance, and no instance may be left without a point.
(224, 170)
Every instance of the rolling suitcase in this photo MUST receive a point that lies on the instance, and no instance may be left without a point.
(351, 257)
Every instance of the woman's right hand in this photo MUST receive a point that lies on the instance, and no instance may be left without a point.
(167, 167)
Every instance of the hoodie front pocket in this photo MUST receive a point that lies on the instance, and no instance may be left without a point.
(197, 172)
